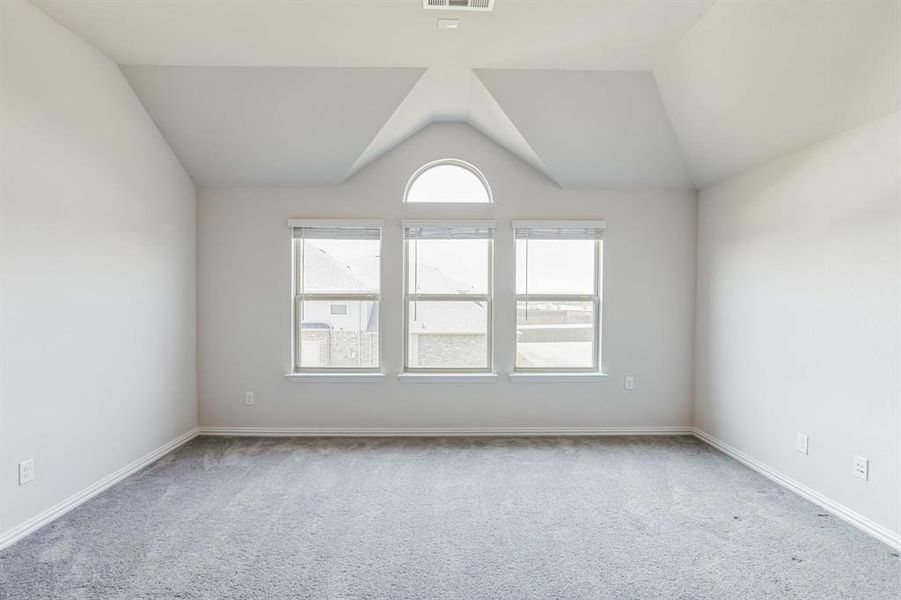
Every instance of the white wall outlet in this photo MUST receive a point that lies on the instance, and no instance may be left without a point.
(26, 471)
(802, 443)
(629, 382)
(861, 468)
(248, 398)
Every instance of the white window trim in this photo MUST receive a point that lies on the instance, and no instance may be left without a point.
(333, 223)
(447, 377)
(558, 224)
(449, 224)
(457, 163)
(306, 377)
(487, 298)
(548, 374)
(528, 377)
(311, 374)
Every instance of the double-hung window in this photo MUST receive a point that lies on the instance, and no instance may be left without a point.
(558, 295)
(447, 295)
(336, 295)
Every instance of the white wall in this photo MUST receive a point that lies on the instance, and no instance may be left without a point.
(798, 325)
(752, 81)
(244, 290)
(97, 353)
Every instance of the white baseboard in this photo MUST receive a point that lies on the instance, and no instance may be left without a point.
(438, 431)
(54, 512)
(874, 529)
(841, 511)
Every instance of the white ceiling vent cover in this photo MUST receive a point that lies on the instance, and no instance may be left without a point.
(482, 5)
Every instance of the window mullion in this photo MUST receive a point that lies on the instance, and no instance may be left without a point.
(556, 297)
(343, 297)
(595, 339)
(448, 297)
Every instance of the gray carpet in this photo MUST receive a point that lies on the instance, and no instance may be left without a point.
(448, 518)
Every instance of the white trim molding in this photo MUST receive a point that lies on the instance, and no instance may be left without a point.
(310, 377)
(54, 512)
(439, 431)
(558, 224)
(874, 529)
(525, 377)
(449, 224)
(447, 377)
(841, 511)
(456, 162)
(329, 223)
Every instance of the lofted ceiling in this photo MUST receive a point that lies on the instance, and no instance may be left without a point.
(756, 80)
(546, 34)
(609, 93)
(450, 94)
(592, 128)
(278, 126)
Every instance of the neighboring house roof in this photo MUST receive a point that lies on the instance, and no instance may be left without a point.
(463, 317)
(325, 273)
(433, 280)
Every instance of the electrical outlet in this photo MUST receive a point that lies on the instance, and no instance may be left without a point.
(248, 398)
(629, 382)
(802, 443)
(26, 471)
(861, 468)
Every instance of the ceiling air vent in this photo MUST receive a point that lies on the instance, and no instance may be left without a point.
(482, 5)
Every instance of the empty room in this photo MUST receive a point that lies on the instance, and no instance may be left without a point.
(450, 299)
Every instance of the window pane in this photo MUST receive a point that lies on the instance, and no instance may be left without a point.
(447, 266)
(447, 335)
(555, 266)
(330, 339)
(556, 334)
(447, 183)
(338, 266)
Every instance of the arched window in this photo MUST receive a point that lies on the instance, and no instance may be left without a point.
(448, 180)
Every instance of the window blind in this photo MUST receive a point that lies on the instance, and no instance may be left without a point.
(335, 230)
(559, 230)
(441, 230)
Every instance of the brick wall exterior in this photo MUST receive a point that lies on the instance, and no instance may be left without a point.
(444, 350)
(338, 348)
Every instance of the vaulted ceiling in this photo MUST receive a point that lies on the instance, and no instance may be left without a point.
(607, 93)
(270, 125)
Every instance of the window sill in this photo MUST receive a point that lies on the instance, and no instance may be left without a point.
(557, 377)
(335, 377)
(447, 377)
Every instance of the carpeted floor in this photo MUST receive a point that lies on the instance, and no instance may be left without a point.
(448, 518)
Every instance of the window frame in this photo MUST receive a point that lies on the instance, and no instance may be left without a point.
(488, 298)
(595, 298)
(453, 162)
(298, 297)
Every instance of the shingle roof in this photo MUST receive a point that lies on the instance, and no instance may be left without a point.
(324, 273)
